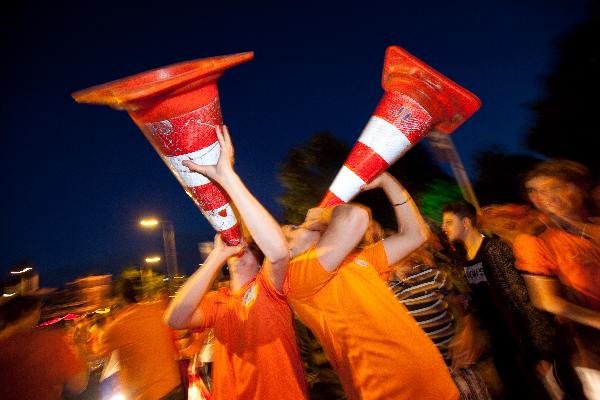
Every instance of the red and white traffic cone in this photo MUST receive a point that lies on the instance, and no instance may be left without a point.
(417, 99)
(177, 108)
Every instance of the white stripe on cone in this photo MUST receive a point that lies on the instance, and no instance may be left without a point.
(346, 184)
(218, 222)
(206, 156)
(385, 139)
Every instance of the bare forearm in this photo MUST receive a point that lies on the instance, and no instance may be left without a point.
(344, 231)
(558, 306)
(409, 219)
(412, 230)
(262, 226)
(183, 306)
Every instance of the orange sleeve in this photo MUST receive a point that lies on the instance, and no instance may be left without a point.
(275, 294)
(209, 307)
(532, 255)
(306, 276)
(376, 255)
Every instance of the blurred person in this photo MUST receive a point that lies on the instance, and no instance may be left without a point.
(36, 363)
(424, 290)
(520, 337)
(561, 265)
(195, 354)
(205, 358)
(374, 345)
(507, 221)
(255, 352)
(425, 283)
(192, 366)
(147, 354)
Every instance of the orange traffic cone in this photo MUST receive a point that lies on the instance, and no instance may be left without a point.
(177, 108)
(417, 99)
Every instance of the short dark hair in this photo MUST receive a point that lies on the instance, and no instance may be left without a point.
(18, 308)
(463, 209)
(256, 252)
(565, 170)
(125, 287)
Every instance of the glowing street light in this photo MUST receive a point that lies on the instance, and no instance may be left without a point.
(152, 260)
(168, 240)
(21, 271)
(149, 222)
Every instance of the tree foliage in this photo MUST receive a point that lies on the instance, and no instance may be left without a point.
(309, 169)
(499, 176)
(307, 172)
(565, 119)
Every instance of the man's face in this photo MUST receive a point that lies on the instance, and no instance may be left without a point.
(453, 226)
(554, 196)
(244, 261)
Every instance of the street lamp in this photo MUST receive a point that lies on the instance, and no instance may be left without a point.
(152, 260)
(168, 240)
(148, 222)
(21, 271)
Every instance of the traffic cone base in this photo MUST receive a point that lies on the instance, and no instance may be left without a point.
(449, 103)
(137, 91)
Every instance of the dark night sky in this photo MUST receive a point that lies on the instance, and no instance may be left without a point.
(77, 178)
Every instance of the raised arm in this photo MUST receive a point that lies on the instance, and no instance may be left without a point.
(262, 226)
(545, 294)
(412, 230)
(183, 311)
(344, 227)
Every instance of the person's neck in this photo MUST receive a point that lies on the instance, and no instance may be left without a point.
(472, 243)
(240, 278)
(580, 216)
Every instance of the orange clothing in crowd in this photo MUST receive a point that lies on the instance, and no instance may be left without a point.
(36, 365)
(255, 353)
(147, 353)
(374, 345)
(574, 260)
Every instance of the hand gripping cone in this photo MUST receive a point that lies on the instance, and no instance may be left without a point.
(177, 108)
(417, 99)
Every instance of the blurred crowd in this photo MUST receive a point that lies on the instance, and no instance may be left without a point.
(509, 294)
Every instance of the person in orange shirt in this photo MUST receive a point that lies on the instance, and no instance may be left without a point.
(255, 354)
(146, 350)
(561, 265)
(371, 341)
(36, 363)
(567, 252)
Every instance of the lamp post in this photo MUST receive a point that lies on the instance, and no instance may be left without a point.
(169, 242)
(444, 148)
(28, 280)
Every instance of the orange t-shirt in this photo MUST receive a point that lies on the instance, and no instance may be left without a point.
(36, 365)
(255, 353)
(575, 261)
(374, 345)
(147, 353)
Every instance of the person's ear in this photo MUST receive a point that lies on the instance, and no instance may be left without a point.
(466, 222)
